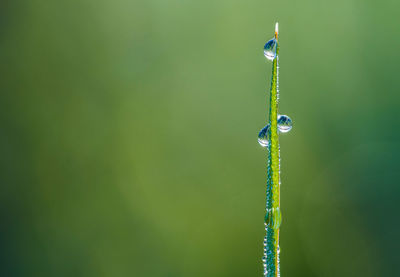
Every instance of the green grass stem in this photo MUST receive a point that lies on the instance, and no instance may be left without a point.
(271, 264)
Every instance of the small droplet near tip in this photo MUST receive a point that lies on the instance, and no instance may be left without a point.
(270, 49)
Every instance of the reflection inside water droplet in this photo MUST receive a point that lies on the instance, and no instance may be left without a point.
(263, 136)
(284, 123)
(270, 49)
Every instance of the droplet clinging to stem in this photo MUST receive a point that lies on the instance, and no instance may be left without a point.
(263, 136)
(270, 49)
(284, 123)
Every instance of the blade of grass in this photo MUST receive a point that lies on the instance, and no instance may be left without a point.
(271, 251)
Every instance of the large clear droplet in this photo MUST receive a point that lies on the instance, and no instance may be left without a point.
(284, 123)
(263, 136)
(273, 218)
(270, 49)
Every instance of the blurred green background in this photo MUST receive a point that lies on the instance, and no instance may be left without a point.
(129, 137)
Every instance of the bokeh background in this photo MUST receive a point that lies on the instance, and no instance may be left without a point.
(128, 137)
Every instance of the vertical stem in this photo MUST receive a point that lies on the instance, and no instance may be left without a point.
(271, 251)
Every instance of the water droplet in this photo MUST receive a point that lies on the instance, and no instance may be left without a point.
(273, 218)
(270, 49)
(284, 123)
(263, 136)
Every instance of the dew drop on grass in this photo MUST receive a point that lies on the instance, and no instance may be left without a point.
(263, 136)
(273, 218)
(270, 49)
(284, 123)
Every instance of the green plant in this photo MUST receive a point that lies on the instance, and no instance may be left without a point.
(269, 138)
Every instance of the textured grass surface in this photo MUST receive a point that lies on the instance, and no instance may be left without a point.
(273, 181)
